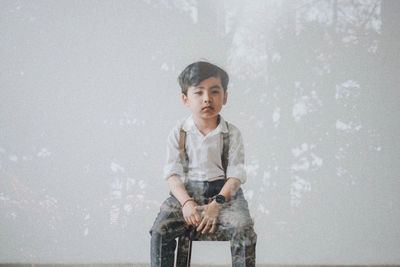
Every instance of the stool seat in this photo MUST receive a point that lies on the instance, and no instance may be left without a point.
(185, 242)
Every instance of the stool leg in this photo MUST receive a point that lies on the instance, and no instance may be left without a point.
(184, 251)
(189, 253)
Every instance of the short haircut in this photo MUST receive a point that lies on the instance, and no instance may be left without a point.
(199, 71)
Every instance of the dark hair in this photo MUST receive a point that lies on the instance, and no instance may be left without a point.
(196, 72)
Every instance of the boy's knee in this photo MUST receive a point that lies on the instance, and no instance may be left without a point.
(246, 234)
(236, 219)
(156, 229)
(160, 228)
(167, 227)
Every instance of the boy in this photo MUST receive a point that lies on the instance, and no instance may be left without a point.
(205, 187)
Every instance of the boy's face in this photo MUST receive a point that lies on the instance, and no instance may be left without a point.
(206, 99)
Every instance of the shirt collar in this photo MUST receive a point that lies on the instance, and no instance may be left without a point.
(189, 125)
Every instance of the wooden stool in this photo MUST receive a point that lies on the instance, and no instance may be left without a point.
(184, 253)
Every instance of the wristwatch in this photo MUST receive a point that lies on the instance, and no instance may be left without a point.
(220, 199)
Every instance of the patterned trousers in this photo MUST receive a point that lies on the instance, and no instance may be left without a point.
(234, 216)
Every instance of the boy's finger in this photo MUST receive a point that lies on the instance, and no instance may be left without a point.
(190, 220)
(197, 218)
(193, 220)
(214, 225)
(206, 228)
(187, 220)
(201, 225)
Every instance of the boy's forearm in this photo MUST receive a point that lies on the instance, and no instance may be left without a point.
(230, 188)
(178, 189)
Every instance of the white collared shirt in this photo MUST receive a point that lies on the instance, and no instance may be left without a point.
(205, 152)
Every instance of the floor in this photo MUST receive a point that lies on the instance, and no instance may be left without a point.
(148, 265)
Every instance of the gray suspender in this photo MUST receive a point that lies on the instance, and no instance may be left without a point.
(225, 149)
(182, 151)
(185, 159)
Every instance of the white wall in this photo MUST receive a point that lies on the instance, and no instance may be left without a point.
(89, 93)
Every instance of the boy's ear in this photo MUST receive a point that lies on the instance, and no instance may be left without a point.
(225, 97)
(184, 99)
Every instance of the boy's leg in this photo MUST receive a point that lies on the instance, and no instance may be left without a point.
(235, 216)
(243, 247)
(168, 225)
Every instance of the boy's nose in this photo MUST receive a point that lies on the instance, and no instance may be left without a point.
(207, 98)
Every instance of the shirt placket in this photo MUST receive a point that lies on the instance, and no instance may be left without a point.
(203, 156)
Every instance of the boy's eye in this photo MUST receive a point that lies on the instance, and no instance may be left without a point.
(215, 92)
(198, 92)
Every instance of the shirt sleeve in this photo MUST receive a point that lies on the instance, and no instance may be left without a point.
(236, 167)
(173, 163)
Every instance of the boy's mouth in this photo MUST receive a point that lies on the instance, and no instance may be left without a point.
(208, 108)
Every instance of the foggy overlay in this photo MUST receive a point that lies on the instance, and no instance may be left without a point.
(89, 95)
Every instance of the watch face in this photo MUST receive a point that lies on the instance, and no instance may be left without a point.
(220, 199)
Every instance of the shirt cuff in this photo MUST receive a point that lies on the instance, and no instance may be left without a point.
(170, 172)
(236, 172)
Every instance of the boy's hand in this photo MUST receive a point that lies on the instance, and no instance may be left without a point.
(210, 215)
(190, 213)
